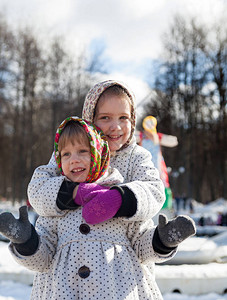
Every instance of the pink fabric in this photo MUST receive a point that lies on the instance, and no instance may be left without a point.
(102, 207)
(84, 192)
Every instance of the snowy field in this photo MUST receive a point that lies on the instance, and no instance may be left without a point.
(15, 291)
(15, 281)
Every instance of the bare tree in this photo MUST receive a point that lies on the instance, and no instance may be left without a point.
(6, 57)
(216, 51)
(39, 87)
(27, 63)
(185, 105)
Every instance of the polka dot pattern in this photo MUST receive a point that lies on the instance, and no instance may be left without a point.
(142, 178)
(105, 263)
(116, 252)
(135, 165)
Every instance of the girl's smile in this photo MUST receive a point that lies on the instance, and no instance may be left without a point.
(76, 161)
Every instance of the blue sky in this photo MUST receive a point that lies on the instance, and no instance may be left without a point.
(128, 30)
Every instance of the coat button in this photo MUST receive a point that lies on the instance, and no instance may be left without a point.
(84, 228)
(84, 272)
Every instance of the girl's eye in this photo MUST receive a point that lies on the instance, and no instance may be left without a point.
(84, 150)
(104, 118)
(65, 154)
(124, 118)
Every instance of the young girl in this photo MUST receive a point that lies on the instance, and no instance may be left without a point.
(74, 260)
(109, 105)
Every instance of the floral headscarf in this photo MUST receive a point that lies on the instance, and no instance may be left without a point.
(100, 155)
(94, 95)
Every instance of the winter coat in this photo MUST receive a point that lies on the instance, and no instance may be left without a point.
(115, 252)
(134, 163)
(75, 260)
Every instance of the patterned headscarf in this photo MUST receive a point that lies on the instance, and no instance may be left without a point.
(94, 95)
(100, 155)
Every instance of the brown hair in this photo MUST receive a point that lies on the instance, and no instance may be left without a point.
(114, 90)
(73, 130)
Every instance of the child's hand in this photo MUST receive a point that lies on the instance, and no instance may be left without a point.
(103, 206)
(17, 231)
(173, 232)
(85, 192)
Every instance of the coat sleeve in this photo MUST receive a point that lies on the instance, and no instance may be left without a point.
(141, 236)
(43, 189)
(42, 259)
(145, 183)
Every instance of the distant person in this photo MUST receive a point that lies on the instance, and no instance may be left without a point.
(184, 200)
(178, 201)
(191, 206)
(202, 221)
(220, 219)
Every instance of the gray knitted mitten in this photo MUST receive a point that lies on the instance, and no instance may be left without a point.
(173, 232)
(17, 231)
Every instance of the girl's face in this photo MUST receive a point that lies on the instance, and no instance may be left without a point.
(76, 161)
(113, 116)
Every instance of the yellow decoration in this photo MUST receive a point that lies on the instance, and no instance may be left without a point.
(150, 123)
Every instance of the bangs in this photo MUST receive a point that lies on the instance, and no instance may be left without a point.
(72, 132)
(114, 90)
(117, 90)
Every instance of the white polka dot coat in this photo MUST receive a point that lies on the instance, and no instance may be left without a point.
(114, 254)
(75, 260)
(135, 165)
(104, 261)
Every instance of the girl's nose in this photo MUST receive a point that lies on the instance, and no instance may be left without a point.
(115, 125)
(75, 158)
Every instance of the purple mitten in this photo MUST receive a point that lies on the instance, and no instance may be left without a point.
(84, 195)
(102, 207)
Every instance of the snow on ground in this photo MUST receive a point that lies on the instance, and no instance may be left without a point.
(10, 290)
(15, 280)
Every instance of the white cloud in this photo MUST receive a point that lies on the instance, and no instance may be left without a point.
(131, 29)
